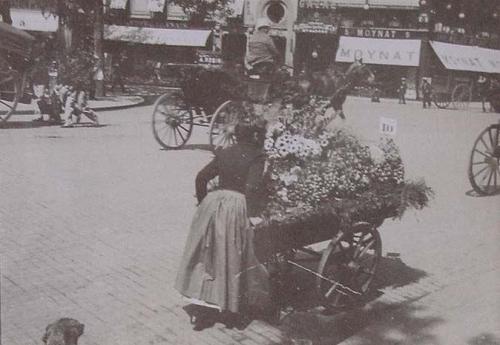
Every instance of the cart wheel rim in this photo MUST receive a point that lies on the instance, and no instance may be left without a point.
(172, 123)
(348, 266)
(484, 163)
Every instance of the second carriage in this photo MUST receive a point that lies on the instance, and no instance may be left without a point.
(203, 99)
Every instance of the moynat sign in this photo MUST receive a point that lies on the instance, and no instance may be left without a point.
(379, 51)
(382, 33)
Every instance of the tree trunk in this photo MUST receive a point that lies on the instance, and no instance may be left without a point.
(98, 48)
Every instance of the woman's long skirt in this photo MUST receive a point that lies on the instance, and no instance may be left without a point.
(219, 265)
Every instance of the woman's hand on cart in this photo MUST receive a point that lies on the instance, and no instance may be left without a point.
(254, 221)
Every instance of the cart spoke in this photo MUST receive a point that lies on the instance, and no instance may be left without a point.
(484, 143)
(7, 105)
(180, 134)
(482, 170)
(482, 153)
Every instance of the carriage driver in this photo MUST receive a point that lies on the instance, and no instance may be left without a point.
(261, 55)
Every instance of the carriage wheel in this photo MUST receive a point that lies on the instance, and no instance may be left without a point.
(461, 96)
(172, 122)
(221, 131)
(10, 90)
(484, 164)
(442, 100)
(348, 267)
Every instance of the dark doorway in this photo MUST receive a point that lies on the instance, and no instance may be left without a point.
(314, 52)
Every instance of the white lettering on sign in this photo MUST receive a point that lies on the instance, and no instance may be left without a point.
(467, 58)
(388, 126)
(383, 51)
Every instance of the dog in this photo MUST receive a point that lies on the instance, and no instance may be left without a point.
(64, 331)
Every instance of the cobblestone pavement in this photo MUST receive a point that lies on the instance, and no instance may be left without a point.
(93, 222)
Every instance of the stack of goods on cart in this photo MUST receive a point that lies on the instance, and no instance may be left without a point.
(319, 175)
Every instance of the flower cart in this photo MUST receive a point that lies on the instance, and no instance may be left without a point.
(325, 185)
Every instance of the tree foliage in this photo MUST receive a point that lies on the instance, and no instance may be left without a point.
(200, 10)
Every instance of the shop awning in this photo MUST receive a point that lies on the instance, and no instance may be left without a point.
(156, 5)
(34, 20)
(118, 4)
(467, 58)
(169, 37)
(379, 51)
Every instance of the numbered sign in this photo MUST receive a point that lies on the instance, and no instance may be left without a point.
(388, 126)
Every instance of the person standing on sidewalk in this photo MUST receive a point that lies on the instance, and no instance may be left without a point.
(219, 271)
(483, 86)
(117, 72)
(157, 72)
(426, 93)
(402, 91)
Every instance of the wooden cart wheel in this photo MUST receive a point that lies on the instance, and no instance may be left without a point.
(221, 131)
(10, 89)
(442, 100)
(348, 267)
(484, 163)
(172, 122)
(461, 96)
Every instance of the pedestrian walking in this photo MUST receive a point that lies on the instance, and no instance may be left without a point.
(483, 86)
(219, 272)
(426, 93)
(402, 91)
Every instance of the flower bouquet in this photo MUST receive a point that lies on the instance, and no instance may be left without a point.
(321, 180)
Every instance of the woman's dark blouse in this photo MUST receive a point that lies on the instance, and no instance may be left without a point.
(240, 168)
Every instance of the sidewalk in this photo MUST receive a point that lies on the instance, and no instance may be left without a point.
(101, 104)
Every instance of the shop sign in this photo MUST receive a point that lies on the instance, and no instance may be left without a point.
(381, 33)
(467, 58)
(379, 51)
(330, 4)
(315, 27)
(33, 20)
(325, 4)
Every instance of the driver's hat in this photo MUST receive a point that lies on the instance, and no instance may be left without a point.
(262, 23)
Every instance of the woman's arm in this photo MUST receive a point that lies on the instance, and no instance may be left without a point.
(204, 176)
(253, 187)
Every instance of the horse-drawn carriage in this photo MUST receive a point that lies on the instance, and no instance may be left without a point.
(15, 61)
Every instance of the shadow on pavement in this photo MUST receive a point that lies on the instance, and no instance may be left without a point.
(474, 194)
(394, 325)
(27, 124)
(484, 339)
(307, 321)
(205, 147)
